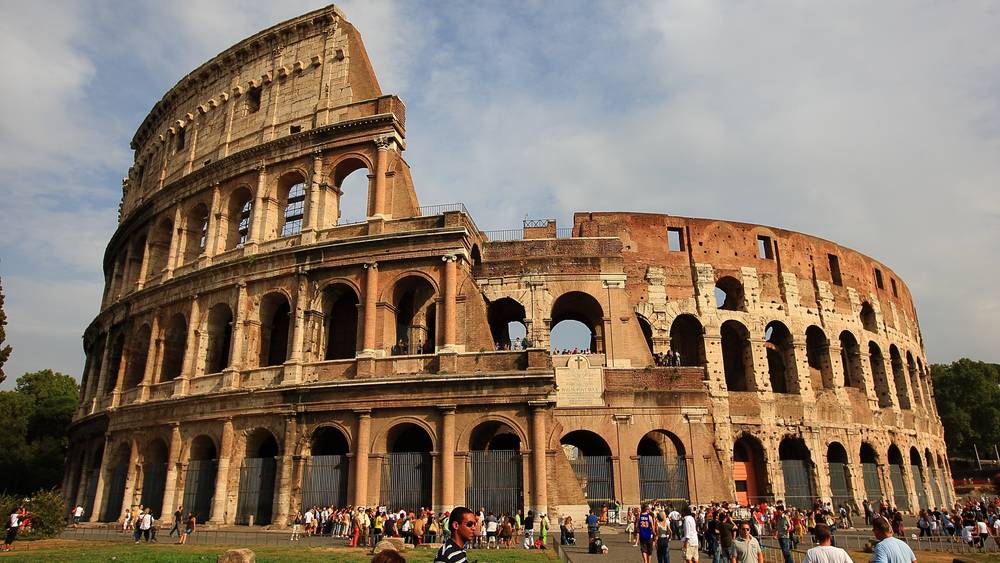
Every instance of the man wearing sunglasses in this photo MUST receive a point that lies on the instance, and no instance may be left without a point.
(746, 548)
(462, 525)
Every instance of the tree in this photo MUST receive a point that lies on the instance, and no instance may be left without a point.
(4, 350)
(35, 417)
(967, 394)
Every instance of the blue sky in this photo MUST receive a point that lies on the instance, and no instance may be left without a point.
(876, 125)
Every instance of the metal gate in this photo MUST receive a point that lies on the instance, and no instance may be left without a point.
(325, 481)
(663, 478)
(935, 486)
(494, 481)
(199, 487)
(899, 495)
(798, 483)
(918, 483)
(115, 493)
(154, 481)
(90, 494)
(873, 489)
(595, 475)
(256, 497)
(407, 480)
(839, 486)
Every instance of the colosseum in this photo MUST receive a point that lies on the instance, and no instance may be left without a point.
(257, 351)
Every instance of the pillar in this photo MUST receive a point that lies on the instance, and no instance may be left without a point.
(72, 468)
(140, 278)
(214, 213)
(361, 449)
(99, 490)
(382, 144)
(222, 474)
(131, 476)
(256, 233)
(123, 360)
(190, 348)
(102, 379)
(284, 497)
(232, 372)
(370, 309)
(175, 244)
(152, 358)
(449, 285)
(447, 453)
(538, 461)
(170, 486)
(315, 189)
(86, 461)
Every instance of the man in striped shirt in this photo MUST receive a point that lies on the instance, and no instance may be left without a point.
(462, 524)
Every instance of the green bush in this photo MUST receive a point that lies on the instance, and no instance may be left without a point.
(46, 509)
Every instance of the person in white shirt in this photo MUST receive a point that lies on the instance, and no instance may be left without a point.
(825, 552)
(690, 537)
(77, 515)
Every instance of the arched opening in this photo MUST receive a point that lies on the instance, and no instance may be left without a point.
(729, 294)
(274, 329)
(868, 321)
(114, 491)
(292, 203)
(933, 476)
(195, 232)
(687, 338)
(945, 482)
(647, 332)
(877, 362)
(199, 478)
(114, 363)
(138, 355)
(899, 377)
(662, 468)
(351, 182)
(850, 359)
(476, 257)
(256, 497)
(900, 495)
(914, 376)
(869, 473)
(749, 471)
(174, 347)
(239, 214)
(159, 246)
(495, 468)
(840, 476)
(416, 316)
(407, 480)
(737, 356)
(90, 492)
(581, 308)
(502, 314)
(154, 476)
(917, 471)
(818, 356)
(134, 265)
(340, 313)
(796, 468)
(780, 358)
(327, 469)
(220, 337)
(590, 457)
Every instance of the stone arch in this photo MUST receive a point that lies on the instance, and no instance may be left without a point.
(495, 467)
(900, 493)
(867, 316)
(195, 231)
(647, 332)
(200, 475)
(899, 377)
(138, 356)
(327, 467)
(159, 237)
(407, 476)
(239, 216)
(840, 476)
(877, 363)
(500, 314)
(275, 328)
(258, 473)
(590, 457)
(583, 308)
(115, 359)
(750, 475)
(414, 309)
(174, 347)
(154, 474)
(797, 471)
(933, 477)
(850, 359)
(219, 338)
(869, 472)
(916, 383)
(818, 357)
(737, 356)
(382, 440)
(917, 471)
(781, 364)
(340, 304)
(662, 467)
(114, 478)
(687, 338)
(290, 194)
(357, 204)
(467, 435)
(730, 294)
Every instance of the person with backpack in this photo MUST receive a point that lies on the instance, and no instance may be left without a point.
(644, 531)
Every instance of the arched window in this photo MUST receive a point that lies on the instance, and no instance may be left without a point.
(506, 318)
(869, 472)
(174, 344)
(238, 216)
(351, 180)
(407, 477)
(340, 312)
(220, 336)
(274, 329)
(840, 477)
(137, 357)
(749, 471)
(900, 494)
(647, 331)
(780, 358)
(899, 377)
(327, 469)
(257, 477)
(115, 363)
(919, 478)
(868, 320)
(495, 467)
(154, 475)
(687, 338)
(737, 356)
(196, 232)
(850, 359)
(293, 206)
(590, 457)
(199, 479)
(159, 246)
(416, 317)
(729, 295)
(818, 355)
(877, 361)
(796, 468)
(577, 307)
(662, 468)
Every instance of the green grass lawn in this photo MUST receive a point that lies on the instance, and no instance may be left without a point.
(79, 551)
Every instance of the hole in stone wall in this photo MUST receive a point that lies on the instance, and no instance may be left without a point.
(675, 240)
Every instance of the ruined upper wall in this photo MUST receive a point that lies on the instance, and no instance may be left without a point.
(301, 74)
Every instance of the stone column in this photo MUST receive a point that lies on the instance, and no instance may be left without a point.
(449, 287)
(447, 450)
(122, 288)
(175, 244)
(232, 372)
(283, 499)
(311, 223)
(538, 460)
(150, 374)
(190, 349)
(222, 474)
(116, 393)
(73, 467)
(293, 366)
(383, 144)
(257, 218)
(131, 476)
(370, 309)
(140, 278)
(212, 234)
(361, 449)
(102, 379)
(173, 461)
(99, 490)
(81, 489)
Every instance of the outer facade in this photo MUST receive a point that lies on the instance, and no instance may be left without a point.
(256, 354)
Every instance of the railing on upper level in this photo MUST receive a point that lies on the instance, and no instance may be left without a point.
(442, 208)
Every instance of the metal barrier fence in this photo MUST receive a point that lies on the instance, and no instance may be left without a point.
(206, 536)
(439, 209)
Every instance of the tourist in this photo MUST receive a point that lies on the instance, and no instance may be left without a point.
(781, 529)
(543, 530)
(77, 515)
(593, 527)
(492, 526)
(461, 527)
(144, 524)
(178, 516)
(690, 537)
(127, 521)
(889, 549)
(825, 552)
(727, 532)
(189, 527)
(529, 530)
(746, 548)
(13, 526)
(570, 533)
(644, 533)
(663, 533)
